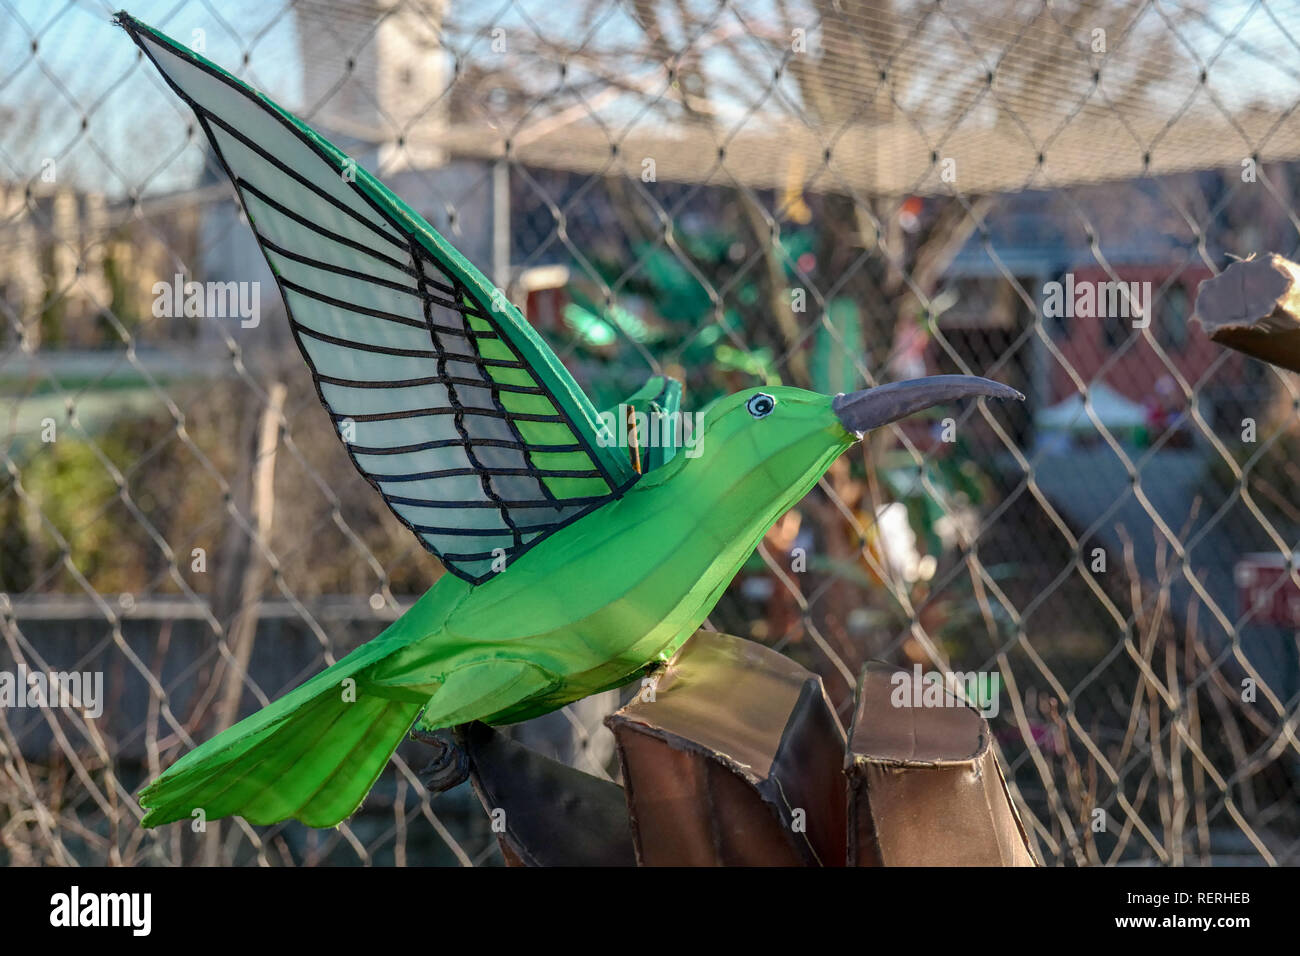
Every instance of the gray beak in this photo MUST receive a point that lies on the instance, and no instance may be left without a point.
(860, 412)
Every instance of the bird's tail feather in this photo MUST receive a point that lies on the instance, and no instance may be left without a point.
(309, 756)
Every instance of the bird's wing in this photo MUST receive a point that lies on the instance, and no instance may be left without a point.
(666, 403)
(448, 402)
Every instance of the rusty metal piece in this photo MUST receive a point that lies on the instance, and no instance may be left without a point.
(925, 788)
(552, 814)
(1253, 306)
(733, 757)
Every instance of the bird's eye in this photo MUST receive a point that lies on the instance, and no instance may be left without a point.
(761, 405)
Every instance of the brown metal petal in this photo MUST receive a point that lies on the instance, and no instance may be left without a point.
(736, 761)
(925, 788)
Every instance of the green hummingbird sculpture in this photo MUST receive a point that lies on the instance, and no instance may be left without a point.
(570, 569)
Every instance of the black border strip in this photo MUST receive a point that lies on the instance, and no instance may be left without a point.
(243, 185)
(430, 380)
(455, 442)
(455, 409)
(538, 503)
(479, 532)
(376, 313)
(512, 418)
(485, 479)
(393, 350)
(503, 472)
(324, 266)
(393, 238)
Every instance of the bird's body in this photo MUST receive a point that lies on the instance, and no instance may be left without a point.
(570, 570)
(584, 611)
(624, 586)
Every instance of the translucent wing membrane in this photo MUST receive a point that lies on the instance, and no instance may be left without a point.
(447, 400)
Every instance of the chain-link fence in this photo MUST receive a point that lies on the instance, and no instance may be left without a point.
(824, 194)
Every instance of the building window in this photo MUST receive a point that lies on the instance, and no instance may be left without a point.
(1173, 311)
(1116, 330)
(1056, 314)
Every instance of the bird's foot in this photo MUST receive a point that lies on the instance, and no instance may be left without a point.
(450, 764)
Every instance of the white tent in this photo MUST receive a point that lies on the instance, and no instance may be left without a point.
(1110, 407)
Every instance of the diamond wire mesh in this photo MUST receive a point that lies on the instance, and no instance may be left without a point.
(823, 194)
